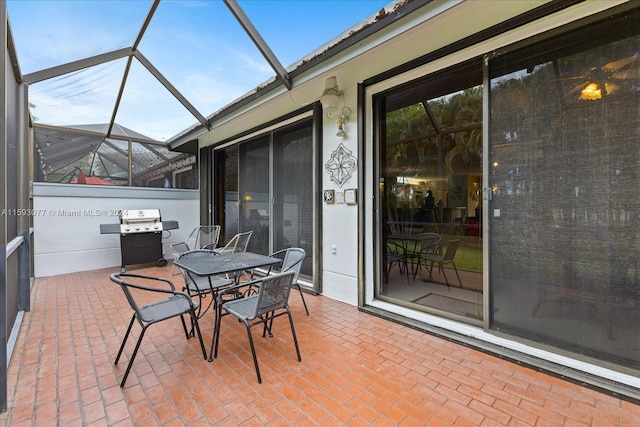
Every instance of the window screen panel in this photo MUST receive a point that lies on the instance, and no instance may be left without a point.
(564, 172)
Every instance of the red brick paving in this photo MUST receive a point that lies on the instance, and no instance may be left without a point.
(356, 370)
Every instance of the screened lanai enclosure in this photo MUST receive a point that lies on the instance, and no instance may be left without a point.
(83, 155)
(160, 95)
(499, 136)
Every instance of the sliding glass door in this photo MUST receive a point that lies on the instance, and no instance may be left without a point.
(267, 184)
(430, 200)
(561, 169)
(293, 180)
(255, 200)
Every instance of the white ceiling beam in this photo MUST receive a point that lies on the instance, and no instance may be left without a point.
(71, 67)
(254, 34)
(145, 24)
(175, 92)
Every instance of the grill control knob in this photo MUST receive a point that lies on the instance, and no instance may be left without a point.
(127, 229)
(137, 228)
(147, 227)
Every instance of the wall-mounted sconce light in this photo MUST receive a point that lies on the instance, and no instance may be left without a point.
(330, 100)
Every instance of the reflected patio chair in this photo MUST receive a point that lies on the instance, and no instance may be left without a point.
(202, 237)
(269, 302)
(443, 253)
(425, 244)
(396, 255)
(167, 303)
(238, 243)
(292, 259)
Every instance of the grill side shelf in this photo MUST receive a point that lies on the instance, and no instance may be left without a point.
(109, 228)
(115, 228)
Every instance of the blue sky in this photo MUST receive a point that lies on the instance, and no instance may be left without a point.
(196, 44)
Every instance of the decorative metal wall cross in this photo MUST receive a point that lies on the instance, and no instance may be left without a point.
(341, 165)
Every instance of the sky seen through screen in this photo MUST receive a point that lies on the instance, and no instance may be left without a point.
(197, 45)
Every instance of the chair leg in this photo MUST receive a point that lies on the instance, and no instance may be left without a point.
(216, 333)
(187, 334)
(253, 351)
(133, 355)
(441, 268)
(293, 332)
(457, 275)
(268, 323)
(194, 320)
(302, 296)
(430, 271)
(418, 264)
(124, 340)
(443, 273)
(191, 333)
(213, 353)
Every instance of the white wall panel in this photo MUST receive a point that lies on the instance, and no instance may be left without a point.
(67, 222)
(340, 287)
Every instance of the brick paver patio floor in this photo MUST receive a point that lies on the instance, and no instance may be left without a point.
(356, 370)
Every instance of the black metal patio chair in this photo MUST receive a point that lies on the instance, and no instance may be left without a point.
(270, 301)
(425, 246)
(292, 259)
(443, 253)
(238, 243)
(147, 313)
(202, 237)
(395, 255)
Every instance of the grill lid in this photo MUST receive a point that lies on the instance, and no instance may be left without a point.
(140, 221)
(137, 215)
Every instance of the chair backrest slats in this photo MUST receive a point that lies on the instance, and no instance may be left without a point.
(450, 252)
(238, 243)
(124, 285)
(274, 292)
(208, 236)
(130, 298)
(291, 260)
(429, 239)
(243, 241)
(139, 282)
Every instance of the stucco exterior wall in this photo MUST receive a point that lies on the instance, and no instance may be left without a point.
(420, 33)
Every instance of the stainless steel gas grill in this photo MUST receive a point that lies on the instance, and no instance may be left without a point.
(140, 236)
